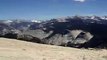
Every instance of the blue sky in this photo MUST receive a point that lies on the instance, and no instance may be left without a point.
(46, 9)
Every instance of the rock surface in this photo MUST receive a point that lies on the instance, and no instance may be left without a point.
(11, 49)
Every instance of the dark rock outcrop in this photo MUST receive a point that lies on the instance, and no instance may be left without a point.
(29, 38)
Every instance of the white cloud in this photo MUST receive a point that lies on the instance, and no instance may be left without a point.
(80, 0)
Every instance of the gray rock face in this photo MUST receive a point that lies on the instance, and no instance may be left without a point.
(73, 39)
(29, 38)
(4, 29)
(39, 33)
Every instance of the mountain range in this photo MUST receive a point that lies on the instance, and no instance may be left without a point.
(75, 31)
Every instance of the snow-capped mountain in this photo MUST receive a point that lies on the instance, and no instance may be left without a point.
(33, 24)
(7, 21)
(36, 21)
(104, 17)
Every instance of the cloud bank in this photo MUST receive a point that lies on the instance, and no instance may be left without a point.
(80, 0)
